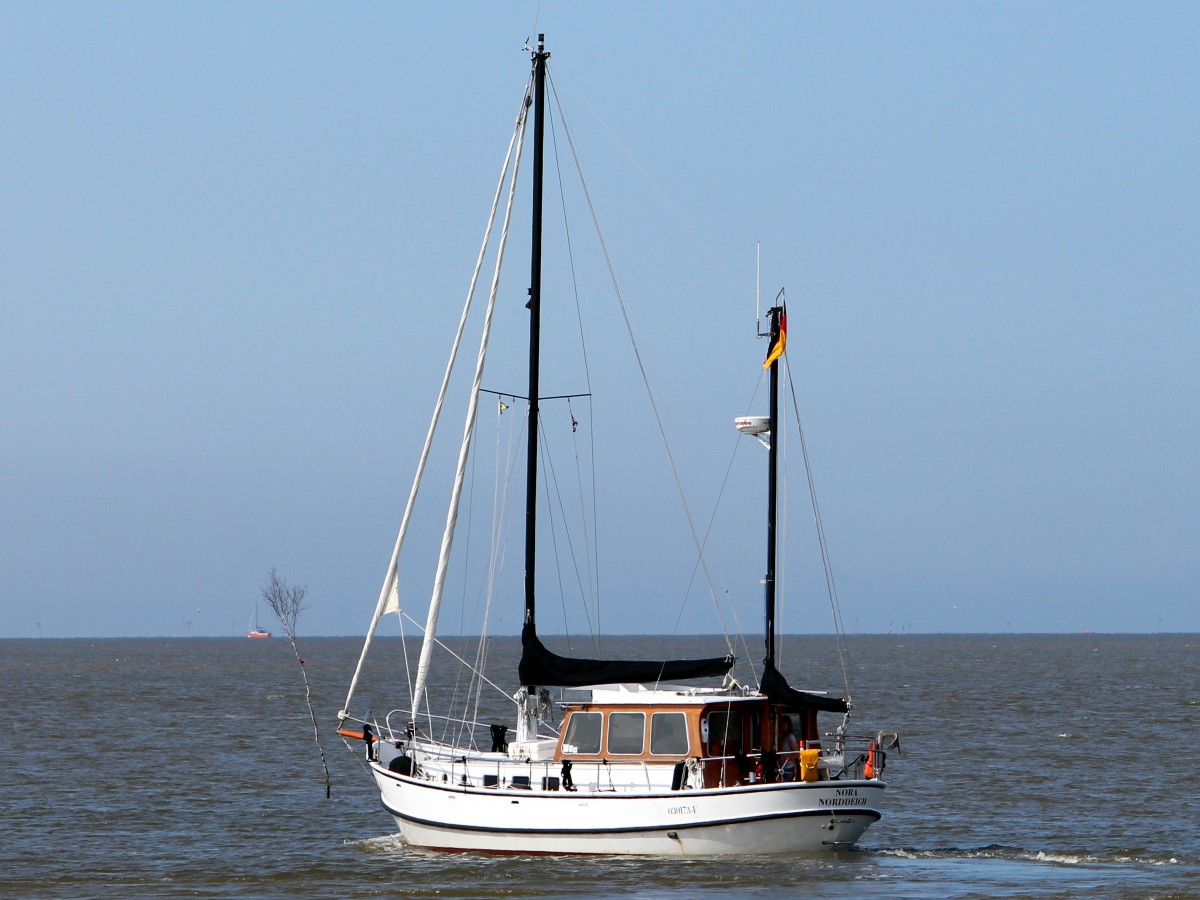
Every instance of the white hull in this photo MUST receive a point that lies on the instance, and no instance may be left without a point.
(776, 818)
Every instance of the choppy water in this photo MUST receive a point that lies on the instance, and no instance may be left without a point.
(1033, 766)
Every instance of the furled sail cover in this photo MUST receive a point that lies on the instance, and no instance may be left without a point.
(775, 686)
(540, 666)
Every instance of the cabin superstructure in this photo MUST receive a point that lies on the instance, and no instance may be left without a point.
(628, 737)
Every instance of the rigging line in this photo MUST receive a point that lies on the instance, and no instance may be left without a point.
(781, 528)
(462, 610)
(448, 531)
(501, 527)
(662, 195)
(468, 538)
(590, 589)
(733, 608)
(474, 697)
(594, 553)
(468, 694)
(443, 645)
(646, 382)
(499, 545)
(389, 582)
(448, 722)
(746, 551)
(404, 647)
(471, 707)
(462, 616)
(551, 480)
(357, 752)
(708, 531)
(562, 197)
(737, 444)
(592, 541)
(485, 587)
(581, 582)
(830, 586)
(548, 479)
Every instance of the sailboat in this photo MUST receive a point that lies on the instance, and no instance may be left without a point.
(643, 761)
(256, 630)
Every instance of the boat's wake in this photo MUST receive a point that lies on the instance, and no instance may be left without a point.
(384, 844)
(1017, 854)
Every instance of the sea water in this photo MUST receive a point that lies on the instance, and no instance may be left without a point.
(1030, 766)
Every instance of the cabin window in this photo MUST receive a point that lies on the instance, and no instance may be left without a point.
(724, 733)
(583, 733)
(668, 734)
(626, 733)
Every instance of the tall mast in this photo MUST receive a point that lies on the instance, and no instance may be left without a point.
(776, 314)
(540, 667)
(535, 325)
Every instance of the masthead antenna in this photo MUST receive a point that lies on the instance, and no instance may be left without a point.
(757, 286)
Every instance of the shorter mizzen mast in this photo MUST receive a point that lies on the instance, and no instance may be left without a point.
(774, 685)
(778, 317)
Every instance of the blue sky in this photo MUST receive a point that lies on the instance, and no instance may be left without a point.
(236, 238)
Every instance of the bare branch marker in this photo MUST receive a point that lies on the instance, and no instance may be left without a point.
(287, 602)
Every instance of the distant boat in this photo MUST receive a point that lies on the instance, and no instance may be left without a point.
(660, 769)
(257, 631)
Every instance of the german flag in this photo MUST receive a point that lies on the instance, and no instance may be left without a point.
(780, 342)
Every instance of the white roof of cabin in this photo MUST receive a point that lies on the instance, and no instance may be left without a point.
(640, 695)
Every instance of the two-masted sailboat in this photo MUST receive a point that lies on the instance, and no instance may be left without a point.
(641, 762)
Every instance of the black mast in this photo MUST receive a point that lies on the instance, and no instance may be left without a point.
(773, 684)
(772, 468)
(538, 665)
(535, 327)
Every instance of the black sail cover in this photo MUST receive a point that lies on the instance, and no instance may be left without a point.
(775, 686)
(540, 666)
